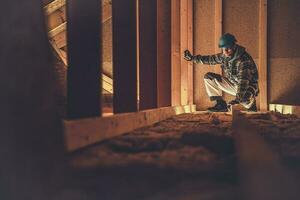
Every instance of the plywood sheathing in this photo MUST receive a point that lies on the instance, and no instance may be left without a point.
(284, 52)
(204, 44)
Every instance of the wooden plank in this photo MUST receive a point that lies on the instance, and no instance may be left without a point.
(190, 42)
(84, 60)
(147, 54)
(218, 30)
(164, 53)
(106, 15)
(183, 47)
(125, 55)
(53, 6)
(263, 55)
(61, 28)
(175, 53)
(84, 132)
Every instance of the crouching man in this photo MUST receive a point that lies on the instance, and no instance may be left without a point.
(240, 75)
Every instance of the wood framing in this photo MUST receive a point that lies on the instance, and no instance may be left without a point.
(175, 53)
(84, 132)
(218, 30)
(147, 54)
(57, 30)
(84, 60)
(186, 42)
(106, 15)
(263, 55)
(53, 6)
(164, 53)
(183, 47)
(190, 45)
(125, 55)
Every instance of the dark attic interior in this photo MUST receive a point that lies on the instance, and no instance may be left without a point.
(150, 100)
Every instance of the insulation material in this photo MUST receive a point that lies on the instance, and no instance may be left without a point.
(188, 155)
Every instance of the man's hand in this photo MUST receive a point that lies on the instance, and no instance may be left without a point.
(187, 55)
(233, 102)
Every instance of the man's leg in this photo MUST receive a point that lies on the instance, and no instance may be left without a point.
(214, 84)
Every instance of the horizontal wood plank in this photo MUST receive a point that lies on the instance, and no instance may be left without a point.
(84, 132)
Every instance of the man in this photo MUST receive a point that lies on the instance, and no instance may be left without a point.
(240, 75)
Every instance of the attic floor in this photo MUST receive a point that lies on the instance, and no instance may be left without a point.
(189, 156)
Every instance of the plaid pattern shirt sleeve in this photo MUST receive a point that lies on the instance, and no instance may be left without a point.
(209, 60)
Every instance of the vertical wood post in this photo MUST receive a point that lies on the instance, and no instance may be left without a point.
(125, 55)
(147, 54)
(262, 67)
(83, 36)
(175, 53)
(218, 30)
(190, 45)
(164, 53)
(186, 42)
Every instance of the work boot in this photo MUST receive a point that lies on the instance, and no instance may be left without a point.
(253, 107)
(221, 106)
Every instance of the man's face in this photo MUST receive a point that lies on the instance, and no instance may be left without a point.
(228, 52)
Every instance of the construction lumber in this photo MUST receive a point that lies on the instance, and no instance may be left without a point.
(164, 53)
(190, 42)
(84, 132)
(53, 6)
(175, 53)
(148, 68)
(218, 30)
(263, 55)
(84, 60)
(106, 15)
(125, 55)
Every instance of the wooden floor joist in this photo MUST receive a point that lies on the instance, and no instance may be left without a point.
(84, 132)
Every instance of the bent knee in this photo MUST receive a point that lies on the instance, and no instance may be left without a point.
(212, 76)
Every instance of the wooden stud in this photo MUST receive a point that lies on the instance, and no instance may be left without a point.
(164, 53)
(183, 47)
(263, 55)
(53, 6)
(175, 53)
(84, 60)
(218, 30)
(84, 132)
(190, 42)
(147, 54)
(125, 55)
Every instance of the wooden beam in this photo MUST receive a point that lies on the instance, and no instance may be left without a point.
(84, 60)
(125, 55)
(164, 53)
(53, 6)
(190, 42)
(218, 30)
(106, 15)
(183, 47)
(147, 54)
(175, 53)
(59, 29)
(263, 55)
(84, 132)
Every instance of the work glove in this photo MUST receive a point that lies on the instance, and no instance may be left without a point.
(187, 55)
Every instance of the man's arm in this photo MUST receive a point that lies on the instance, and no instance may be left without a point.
(244, 73)
(208, 60)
